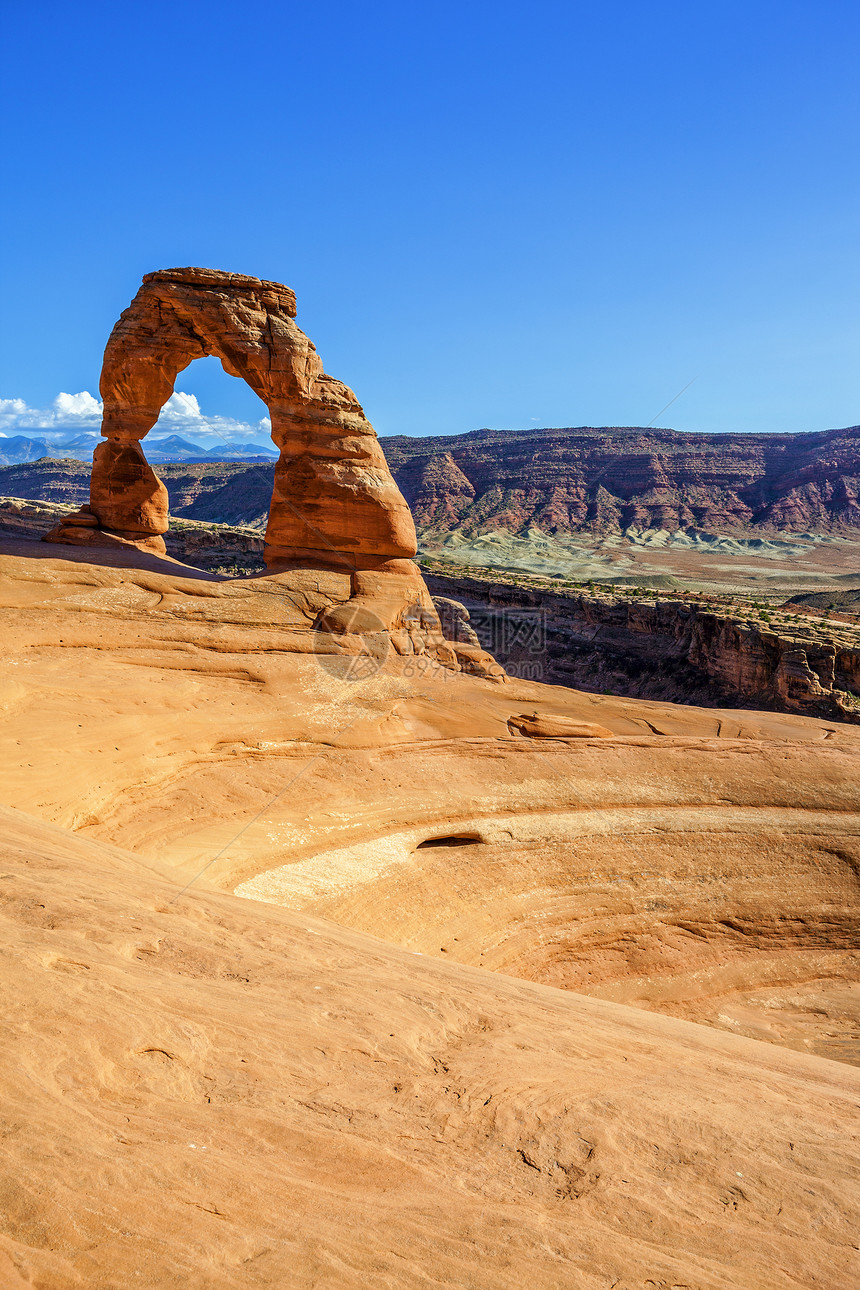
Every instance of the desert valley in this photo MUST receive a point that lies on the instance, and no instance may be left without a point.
(594, 759)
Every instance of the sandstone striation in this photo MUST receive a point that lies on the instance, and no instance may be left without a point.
(260, 1097)
(617, 478)
(218, 824)
(663, 646)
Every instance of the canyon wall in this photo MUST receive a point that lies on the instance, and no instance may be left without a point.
(660, 648)
(220, 493)
(611, 479)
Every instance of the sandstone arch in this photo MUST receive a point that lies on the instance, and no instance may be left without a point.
(334, 503)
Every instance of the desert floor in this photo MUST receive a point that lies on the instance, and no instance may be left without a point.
(775, 566)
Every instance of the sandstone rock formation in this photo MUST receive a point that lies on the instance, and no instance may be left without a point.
(261, 1098)
(264, 1094)
(454, 618)
(536, 725)
(672, 648)
(334, 504)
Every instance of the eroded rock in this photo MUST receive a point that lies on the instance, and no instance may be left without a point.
(334, 503)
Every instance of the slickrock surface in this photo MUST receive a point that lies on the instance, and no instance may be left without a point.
(203, 1089)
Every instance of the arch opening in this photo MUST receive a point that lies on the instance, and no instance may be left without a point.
(241, 424)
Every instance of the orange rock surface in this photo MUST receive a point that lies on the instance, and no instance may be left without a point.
(254, 871)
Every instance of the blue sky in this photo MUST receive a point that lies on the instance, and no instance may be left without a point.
(492, 214)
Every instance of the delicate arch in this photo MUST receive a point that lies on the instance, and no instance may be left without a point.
(334, 502)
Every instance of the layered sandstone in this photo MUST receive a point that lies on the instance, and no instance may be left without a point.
(334, 504)
(612, 479)
(260, 1097)
(664, 646)
(265, 1094)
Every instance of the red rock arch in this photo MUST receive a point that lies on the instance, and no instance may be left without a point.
(334, 503)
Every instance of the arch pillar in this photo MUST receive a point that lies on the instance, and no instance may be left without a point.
(126, 495)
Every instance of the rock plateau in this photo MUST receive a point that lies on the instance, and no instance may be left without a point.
(613, 479)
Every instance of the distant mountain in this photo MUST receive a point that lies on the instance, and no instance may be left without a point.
(614, 478)
(46, 443)
(173, 448)
(172, 443)
(84, 439)
(558, 481)
(244, 452)
(18, 447)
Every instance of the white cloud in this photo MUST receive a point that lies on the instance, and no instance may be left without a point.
(181, 414)
(77, 405)
(12, 414)
(12, 406)
(181, 407)
(69, 412)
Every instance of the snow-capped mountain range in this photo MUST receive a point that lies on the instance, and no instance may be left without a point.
(70, 428)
